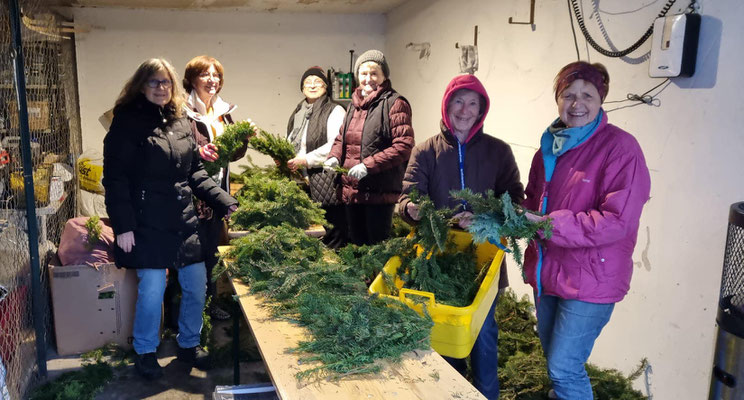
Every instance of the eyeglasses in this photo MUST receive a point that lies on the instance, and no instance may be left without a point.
(154, 83)
(314, 83)
(206, 75)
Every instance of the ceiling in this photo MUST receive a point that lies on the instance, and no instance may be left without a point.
(292, 6)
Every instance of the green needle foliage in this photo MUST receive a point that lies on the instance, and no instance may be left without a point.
(497, 217)
(76, 385)
(303, 283)
(433, 264)
(341, 170)
(93, 226)
(254, 255)
(368, 260)
(523, 372)
(352, 332)
(452, 276)
(433, 227)
(264, 201)
(277, 148)
(228, 143)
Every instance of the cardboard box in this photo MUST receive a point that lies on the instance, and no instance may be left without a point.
(38, 115)
(92, 307)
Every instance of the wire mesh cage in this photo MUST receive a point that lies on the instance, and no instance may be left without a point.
(731, 301)
(727, 378)
(54, 140)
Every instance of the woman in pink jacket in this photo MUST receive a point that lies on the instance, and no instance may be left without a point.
(591, 179)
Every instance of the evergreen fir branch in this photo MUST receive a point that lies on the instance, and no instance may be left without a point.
(275, 147)
(433, 226)
(497, 217)
(228, 143)
(308, 286)
(341, 170)
(94, 229)
(266, 201)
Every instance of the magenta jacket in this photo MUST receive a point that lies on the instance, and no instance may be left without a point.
(597, 193)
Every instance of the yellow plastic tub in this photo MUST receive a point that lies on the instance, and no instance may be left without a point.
(455, 328)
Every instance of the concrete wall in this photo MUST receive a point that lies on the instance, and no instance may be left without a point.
(264, 55)
(692, 142)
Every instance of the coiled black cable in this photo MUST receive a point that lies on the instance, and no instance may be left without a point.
(621, 53)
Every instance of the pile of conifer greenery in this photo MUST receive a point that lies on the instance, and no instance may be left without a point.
(350, 331)
(310, 285)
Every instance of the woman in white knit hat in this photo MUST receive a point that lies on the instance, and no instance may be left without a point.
(374, 144)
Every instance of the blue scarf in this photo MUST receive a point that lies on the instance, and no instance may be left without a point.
(556, 141)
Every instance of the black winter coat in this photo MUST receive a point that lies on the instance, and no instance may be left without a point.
(151, 168)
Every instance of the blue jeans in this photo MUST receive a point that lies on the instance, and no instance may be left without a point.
(484, 357)
(193, 280)
(568, 329)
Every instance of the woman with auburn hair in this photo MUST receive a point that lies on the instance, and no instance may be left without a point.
(590, 179)
(151, 168)
(208, 115)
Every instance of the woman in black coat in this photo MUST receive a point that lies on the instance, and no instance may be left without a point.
(151, 168)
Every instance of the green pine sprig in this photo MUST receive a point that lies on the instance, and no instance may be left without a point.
(94, 228)
(497, 217)
(275, 147)
(228, 143)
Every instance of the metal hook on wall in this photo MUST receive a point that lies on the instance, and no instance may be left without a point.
(475, 38)
(532, 16)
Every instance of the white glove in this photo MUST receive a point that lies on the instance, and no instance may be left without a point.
(358, 171)
(125, 241)
(330, 164)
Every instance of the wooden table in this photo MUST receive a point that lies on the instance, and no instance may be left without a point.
(419, 375)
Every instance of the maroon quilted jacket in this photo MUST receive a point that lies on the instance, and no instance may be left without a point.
(377, 132)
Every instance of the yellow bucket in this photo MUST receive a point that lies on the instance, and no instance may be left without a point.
(455, 328)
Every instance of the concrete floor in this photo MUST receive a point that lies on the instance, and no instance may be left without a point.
(178, 382)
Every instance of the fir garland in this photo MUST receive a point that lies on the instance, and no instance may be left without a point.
(228, 143)
(265, 201)
(494, 218)
(437, 267)
(275, 147)
(302, 282)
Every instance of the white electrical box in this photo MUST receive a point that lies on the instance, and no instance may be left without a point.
(674, 46)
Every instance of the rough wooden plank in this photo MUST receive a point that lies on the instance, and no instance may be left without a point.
(313, 231)
(420, 375)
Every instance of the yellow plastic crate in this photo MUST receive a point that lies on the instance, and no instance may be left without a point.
(455, 328)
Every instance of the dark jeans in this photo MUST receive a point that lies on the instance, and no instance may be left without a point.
(337, 234)
(484, 358)
(369, 223)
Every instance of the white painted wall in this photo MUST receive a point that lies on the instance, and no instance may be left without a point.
(264, 55)
(692, 142)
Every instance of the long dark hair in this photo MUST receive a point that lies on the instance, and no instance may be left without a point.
(133, 88)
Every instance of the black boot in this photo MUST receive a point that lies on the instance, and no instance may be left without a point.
(194, 357)
(147, 366)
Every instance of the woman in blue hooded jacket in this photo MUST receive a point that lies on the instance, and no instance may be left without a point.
(462, 156)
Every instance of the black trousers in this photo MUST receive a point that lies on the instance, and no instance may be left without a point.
(211, 233)
(337, 233)
(369, 223)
